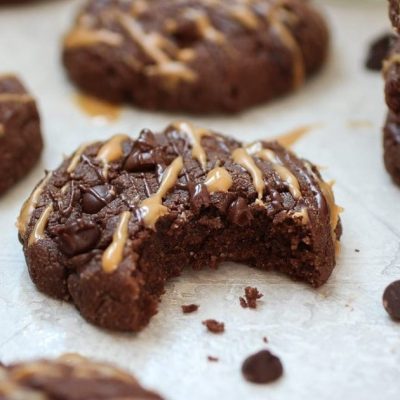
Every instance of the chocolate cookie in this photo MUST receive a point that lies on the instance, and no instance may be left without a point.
(70, 377)
(394, 12)
(117, 219)
(199, 56)
(20, 138)
(391, 146)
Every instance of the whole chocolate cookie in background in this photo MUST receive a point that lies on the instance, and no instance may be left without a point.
(69, 377)
(20, 135)
(394, 12)
(118, 218)
(199, 56)
(391, 146)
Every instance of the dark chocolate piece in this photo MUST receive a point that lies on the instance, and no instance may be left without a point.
(70, 377)
(190, 308)
(262, 367)
(378, 51)
(20, 136)
(194, 55)
(391, 300)
(212, 359)
(108, 239)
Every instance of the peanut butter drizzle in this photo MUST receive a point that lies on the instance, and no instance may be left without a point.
(393, 59)
(97, 108)
(205, 26)
(151, 209)
(39, 229)
(218, 180)
(335, 210)
(151, 44)
(195, 135)
(15, 98)
(290, 138)
(76, 157)
(30, 204)
(303, 214)
(83, 37)
(113, 255)
(111, 151)
(274, 16)
(284, 173)
(244, 15)
(241, 156)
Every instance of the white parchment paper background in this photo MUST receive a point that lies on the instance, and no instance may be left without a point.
(336, 342)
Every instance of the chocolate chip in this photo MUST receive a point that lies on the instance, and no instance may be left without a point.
(78, 237)
(199, 196)
(96, 198)
(378, 51)
(391, 300)
(239, 212)
(262, 367)
(146, 140)
(140, 162)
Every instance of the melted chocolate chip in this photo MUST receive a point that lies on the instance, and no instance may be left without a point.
(146, 140)
(262, 367)
(378, 51)
(96, 198)
(140, 162)
(199, 196)
(391, 300)
(78, 237)
(239, 212)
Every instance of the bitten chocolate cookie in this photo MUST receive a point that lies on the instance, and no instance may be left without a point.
(70, 377)
(117, 219)
(195, 55)
(20, 138)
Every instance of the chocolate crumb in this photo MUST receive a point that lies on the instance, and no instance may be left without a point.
(212, 359)
(251, 296)
(378, 51)
(214, 326)
(391, 300)
(265, 339)
(357, 250)
(189, 308)
(262, 367)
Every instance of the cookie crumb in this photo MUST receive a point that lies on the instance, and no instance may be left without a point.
(251, 295)
(214, 326)
(189, 308)
(212, 359)
(357, 250)
(265, 339)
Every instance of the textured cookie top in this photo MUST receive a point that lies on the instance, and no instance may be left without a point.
(107, 193)
(195, 43)
(394, 12)
(70, 377)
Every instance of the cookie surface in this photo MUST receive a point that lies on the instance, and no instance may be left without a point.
(394, 12)
(70, 377)
(194, 55)
(20, 137)
(117, 219)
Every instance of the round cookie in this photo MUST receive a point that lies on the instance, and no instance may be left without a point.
(69, 377)
(20, 136)
(199, 56)
(118, 218)
(394, 12)
(391, 146)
